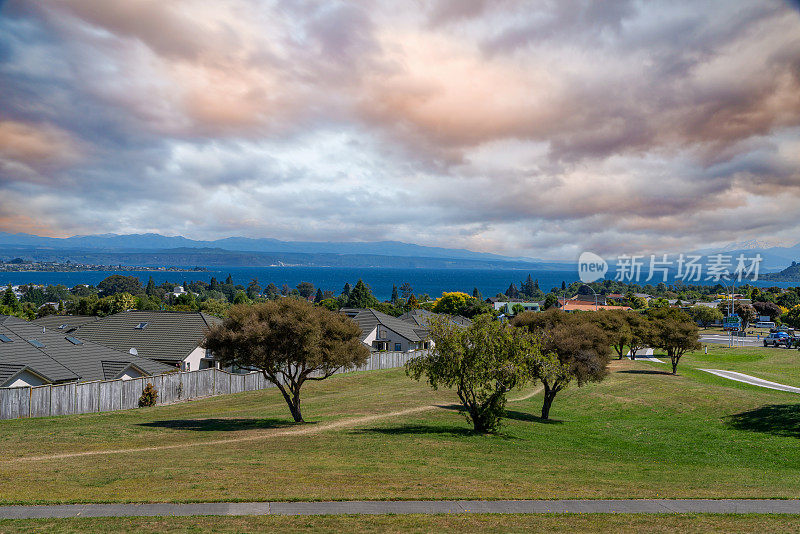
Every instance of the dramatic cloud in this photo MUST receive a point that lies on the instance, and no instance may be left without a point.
(531, 129)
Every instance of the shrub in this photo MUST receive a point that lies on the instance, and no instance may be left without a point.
(149, 396)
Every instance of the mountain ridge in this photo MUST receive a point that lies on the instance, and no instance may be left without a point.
(153, 242)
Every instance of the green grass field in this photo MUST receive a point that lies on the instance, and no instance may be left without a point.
(683, 524)
(776, 364)
(639, 434)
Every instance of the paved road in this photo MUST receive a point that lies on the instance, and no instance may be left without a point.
(747, 379)
(721, 339)
(639, 506)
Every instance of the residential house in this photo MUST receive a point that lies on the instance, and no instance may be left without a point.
(420, 318)
(383, 332)
(64, 323)
(33, 355)
(506, 305)
(173, 338)
(572, 305)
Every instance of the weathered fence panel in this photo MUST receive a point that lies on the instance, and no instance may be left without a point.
(189, 384)
(15, 404)
(237, 383)
(40, 401)
(170, 388)
(87, 397)
(62, 399)
(222, 382)
(205, 383)
(131, 392)
(109, 395)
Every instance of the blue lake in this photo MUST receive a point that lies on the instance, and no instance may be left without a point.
(430, 281)
(380, 279)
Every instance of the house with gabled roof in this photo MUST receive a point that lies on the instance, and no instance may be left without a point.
(420, 317)
(170, 337)
(382, 332)
(64, 323)
(33, 355)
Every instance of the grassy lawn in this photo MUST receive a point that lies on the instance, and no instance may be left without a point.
(776, 364)
(639, 434)
(420, 523)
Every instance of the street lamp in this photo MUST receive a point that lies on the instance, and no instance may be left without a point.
(730, 307)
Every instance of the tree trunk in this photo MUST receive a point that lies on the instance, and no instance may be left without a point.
(549, 395)
(295, 409)
(633, 354)
(295, 405)
(293, 401)
(674, 361)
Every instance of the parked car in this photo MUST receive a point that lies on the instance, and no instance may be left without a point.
(776, 339)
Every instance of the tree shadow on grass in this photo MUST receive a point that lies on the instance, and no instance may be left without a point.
(511, 414)
(530, 418)
(776, 419)
(418, 429)
(220, 425)
(645, 372)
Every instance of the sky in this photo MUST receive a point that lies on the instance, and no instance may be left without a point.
(537, 129)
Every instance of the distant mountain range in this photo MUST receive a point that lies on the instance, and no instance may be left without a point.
(789, 274)
(179, 251)
(773, 257)
(156, 249)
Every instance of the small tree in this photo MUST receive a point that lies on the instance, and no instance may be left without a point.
(253, 289)
(271, 291)
(642, 333)
(575, 349)
(452, 303)
(615, 324)
(770, 309)
(745, 311)
(117, 283)
(406, 290)
(361, 296)
(512, 292)
(120, 302)
(306, 289)
(149, 396)
(10, 299)
(705, 315)
(290, 341)
(792, 317)
(483, 361)
(676, 337)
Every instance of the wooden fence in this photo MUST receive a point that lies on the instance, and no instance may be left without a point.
(111, 395)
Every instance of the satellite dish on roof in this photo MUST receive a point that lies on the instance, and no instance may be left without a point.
(133, 351)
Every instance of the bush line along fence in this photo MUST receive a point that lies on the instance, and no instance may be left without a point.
(111, 395)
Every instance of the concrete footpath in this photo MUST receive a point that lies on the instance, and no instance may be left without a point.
(638, 506)
(752, 380)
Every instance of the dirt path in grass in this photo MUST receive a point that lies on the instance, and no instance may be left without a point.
(293, 431)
